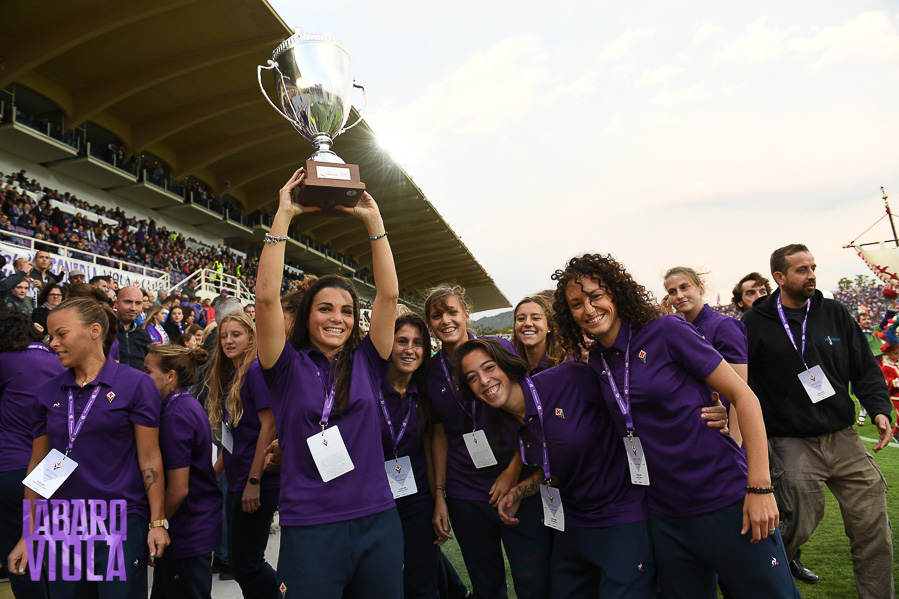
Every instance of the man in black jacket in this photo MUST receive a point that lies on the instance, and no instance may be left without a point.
(804, 351)
(134, 342)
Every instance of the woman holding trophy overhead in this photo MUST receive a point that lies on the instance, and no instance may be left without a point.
(340, 532)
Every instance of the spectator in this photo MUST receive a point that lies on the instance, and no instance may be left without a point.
(189, 291)
(134, 342)
(51, 296)
(18, 299)
(76, 277)
(101, 282)
(41, 272)
(250, 310)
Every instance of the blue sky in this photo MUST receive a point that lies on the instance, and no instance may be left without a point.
(703, 134)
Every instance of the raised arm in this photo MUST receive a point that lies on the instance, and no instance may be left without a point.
(270, 334)
(387, 288)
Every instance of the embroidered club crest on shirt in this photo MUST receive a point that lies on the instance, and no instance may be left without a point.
(110, 396)
(283, 589)
(642, 356)
(560, 413)
(56, 405)
(774, 562)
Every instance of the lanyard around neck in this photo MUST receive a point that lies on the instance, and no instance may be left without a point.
(623, 400)
(537, 403)
(783, 320)
(393, 435)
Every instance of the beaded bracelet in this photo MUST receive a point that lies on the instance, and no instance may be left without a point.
(759, 490)
(269, 238)
(377, 237)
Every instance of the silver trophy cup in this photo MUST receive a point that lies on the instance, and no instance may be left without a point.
(314, 83)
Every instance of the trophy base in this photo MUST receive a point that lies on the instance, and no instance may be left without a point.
(328, 184)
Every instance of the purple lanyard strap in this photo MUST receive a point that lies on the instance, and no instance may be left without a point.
(474, 404)
(74, 428)
(329, 398)
(393, 436)
(537, 403)
(783, 320)
(624, 402)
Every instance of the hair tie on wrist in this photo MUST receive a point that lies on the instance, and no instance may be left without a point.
(376, 237)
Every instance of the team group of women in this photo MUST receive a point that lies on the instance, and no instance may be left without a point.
(589, 449)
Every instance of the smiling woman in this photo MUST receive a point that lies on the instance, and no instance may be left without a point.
(115, 447)
(340, 532)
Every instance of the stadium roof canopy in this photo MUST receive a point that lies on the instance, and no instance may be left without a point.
(177, 79)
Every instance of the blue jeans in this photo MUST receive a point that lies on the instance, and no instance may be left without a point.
(355, 559)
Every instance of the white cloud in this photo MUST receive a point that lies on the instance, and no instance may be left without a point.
(660, 75)
(491, 89)
(707, 30)
(622, 46)
(869, 37)
(584, 86)
(684, 96)
(759, 44)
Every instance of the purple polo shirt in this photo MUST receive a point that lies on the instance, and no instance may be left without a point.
(21, 373)
(298, 398)
(693, 469)
(585, 452)
(411, 444)
(185, 441)
(114, 350)
(255, 396)
(727, 335)
(105, 449)
(463, 480)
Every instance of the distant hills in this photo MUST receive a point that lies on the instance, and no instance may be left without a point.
(496, 322)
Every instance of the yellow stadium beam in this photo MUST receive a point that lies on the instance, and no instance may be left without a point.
(45, 45)
(160, 126)
(100, 95)
(209, 151)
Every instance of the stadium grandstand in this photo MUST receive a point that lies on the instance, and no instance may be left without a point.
(134, 142)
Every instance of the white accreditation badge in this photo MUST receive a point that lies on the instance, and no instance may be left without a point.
(553, 514)
(49, 475)
(400, 477)
(636, 461)
(479, 449)
(330, 454)
(227, 438)
(815, 383)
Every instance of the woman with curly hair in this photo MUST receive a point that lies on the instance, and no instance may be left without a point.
(712, 511)
(25, 364)
(534, 338)
(470, 479)
(239, 403)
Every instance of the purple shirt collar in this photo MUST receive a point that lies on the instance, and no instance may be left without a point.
(620, 344)
(386, 389)
(703, 315)
(106, 376)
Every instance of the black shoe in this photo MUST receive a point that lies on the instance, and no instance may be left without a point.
(802, 573)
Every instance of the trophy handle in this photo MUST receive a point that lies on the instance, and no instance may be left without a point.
(272, 66)
(361, 112)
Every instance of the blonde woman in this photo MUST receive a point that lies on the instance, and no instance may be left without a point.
(153, 324)
(238, 403)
